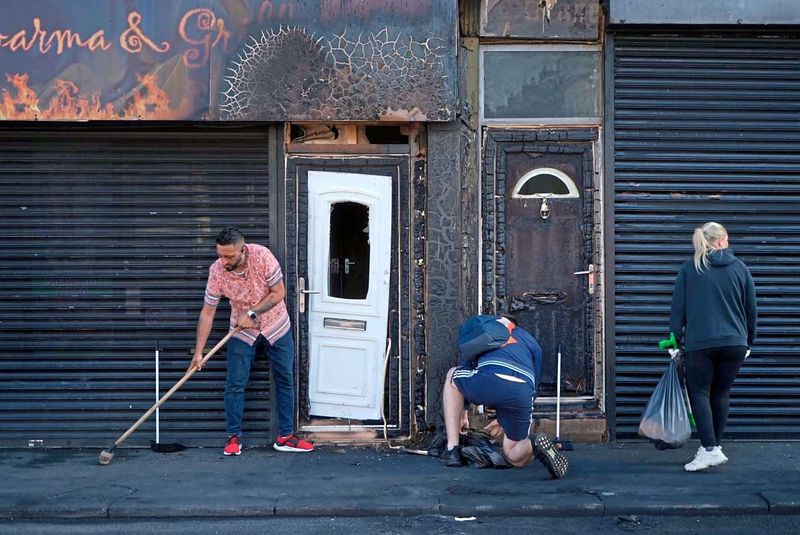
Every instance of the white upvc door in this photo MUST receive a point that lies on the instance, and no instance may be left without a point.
(349, 255)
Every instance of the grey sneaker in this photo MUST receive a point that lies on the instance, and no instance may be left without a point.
(547, 454)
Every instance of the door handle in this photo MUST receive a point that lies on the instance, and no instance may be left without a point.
(347, 264)
(589, 272)
(301, 294)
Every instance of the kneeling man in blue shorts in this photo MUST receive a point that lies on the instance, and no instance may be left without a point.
(504, 379)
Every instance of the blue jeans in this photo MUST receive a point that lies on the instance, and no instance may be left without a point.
(240, 360)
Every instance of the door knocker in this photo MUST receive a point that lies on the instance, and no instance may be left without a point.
(544, 211)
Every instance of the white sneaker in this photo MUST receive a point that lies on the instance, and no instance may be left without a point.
(706, 459)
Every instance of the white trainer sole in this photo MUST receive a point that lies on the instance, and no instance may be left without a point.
(289, 448)
(689, 468)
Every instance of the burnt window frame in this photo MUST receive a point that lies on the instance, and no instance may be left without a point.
(540, 48)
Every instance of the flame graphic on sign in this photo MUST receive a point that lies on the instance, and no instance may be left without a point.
(146, 101)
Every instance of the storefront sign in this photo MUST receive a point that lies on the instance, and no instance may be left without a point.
(265, 60)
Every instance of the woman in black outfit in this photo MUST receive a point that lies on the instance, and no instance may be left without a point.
(715, 300)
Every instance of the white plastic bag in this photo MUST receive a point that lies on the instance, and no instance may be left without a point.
(665, 421)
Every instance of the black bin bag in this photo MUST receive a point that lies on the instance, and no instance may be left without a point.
(665, 421)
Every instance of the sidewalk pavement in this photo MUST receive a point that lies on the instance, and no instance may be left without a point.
(623, 478)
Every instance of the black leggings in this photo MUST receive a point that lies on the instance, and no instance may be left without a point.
(709, 377)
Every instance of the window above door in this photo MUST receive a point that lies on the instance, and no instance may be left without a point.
(543, 84)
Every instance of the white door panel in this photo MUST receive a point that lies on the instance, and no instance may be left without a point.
(349, 254)
(344, 382)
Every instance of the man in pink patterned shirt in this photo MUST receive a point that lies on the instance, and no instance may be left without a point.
(252, 280)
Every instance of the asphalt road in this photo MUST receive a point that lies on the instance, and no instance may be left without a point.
(422, 525)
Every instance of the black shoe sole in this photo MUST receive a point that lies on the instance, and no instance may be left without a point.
(451, 462)
(547, 454)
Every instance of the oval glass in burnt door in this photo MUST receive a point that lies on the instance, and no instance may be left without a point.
(547, 240)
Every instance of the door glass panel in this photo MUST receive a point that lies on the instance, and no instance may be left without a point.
(348, 264)
(545, 182)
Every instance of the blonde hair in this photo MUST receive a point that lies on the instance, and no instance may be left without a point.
(702, 240)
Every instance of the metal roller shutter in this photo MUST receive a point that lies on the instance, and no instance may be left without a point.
(106, 235)
(708, 128)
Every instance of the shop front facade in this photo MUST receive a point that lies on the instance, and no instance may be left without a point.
(409, 165)
(133, 133)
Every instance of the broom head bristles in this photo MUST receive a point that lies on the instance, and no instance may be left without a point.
(105, 457)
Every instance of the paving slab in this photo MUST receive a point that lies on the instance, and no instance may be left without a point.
(675, 503)
(391, 500)
(782, 502)
(623, 478)
(471, 501)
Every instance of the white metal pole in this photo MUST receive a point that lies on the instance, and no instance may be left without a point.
(558, 396)
(157, 398)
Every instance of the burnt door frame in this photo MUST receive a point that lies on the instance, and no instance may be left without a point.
(498, 143)
(397, 388)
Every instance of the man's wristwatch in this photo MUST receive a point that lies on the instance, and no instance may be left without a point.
(252, 315)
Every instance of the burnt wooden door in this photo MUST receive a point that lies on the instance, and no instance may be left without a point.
(538, 250)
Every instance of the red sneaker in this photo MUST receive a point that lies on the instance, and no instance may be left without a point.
(292, 443)
(233, 447)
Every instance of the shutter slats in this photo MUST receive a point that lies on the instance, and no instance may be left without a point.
(706, 128)
(106, 235)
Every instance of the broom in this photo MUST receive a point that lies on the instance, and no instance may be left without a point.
(106, 456)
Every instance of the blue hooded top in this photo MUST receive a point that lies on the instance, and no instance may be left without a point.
(520, 356)
(717, 306)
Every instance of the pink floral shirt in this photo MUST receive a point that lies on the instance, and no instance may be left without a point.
(247, 290)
